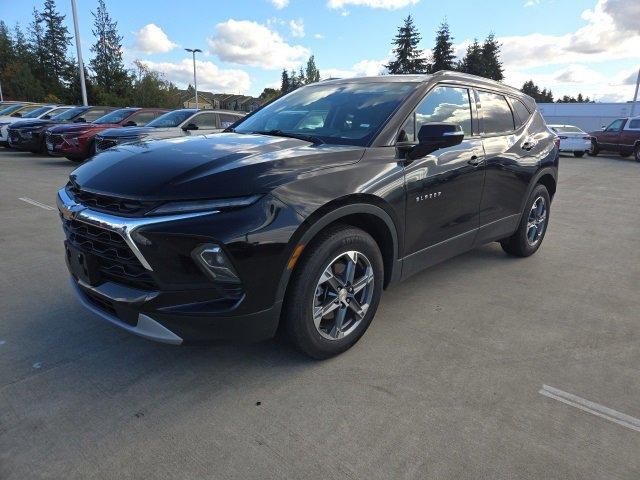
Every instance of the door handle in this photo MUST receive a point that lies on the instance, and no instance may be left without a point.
(474, 160)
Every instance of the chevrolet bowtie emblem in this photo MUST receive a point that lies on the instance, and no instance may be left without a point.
(71, 211)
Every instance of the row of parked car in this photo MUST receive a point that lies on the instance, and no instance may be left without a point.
(78, 132)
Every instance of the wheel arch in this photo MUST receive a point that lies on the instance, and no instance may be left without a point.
(368, 212)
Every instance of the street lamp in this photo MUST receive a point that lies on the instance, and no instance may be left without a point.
(195, 81)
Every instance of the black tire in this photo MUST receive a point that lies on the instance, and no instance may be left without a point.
(636, 153)
(518, 243)
(594, 150)
(75, 159)
(299, 301)
(625, 153)
(578, 154)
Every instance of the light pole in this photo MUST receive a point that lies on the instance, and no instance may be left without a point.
(635, 95)
(195, 81)
(83, 87)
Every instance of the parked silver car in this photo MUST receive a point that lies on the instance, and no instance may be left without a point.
(178, 123)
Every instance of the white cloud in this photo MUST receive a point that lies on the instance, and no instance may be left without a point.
(364, 68)
(249, 43)
(319, 36)
(531, 3)
(297, 28)
(384, 4)
(151, 39)
(280, 4)
(210, 76)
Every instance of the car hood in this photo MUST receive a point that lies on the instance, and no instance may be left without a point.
(36, 122)
(79, 127)
(127, 132)
(198, 167)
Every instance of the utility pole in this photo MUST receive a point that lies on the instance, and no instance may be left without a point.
(195, 80)
(1, 97)
(635, 95)
(83, 86)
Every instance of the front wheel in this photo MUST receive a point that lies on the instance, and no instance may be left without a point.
(594, 150)
(533, 225)
(578, 154)
(334, 292)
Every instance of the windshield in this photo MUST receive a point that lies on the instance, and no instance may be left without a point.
(57, 111)
(567, 129)
(11, 109)
(69, 114)
(115, 117)
(37, 112)
(343, 113)
(171, 119)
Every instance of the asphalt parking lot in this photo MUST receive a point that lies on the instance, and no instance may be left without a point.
(445, 384)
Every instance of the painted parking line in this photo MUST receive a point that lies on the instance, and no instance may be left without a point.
(591, 407)
(37, 204)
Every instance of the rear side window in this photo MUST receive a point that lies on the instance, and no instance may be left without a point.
(635, 124)
(142, 118)
(94, 114)
(496, 113)
(522, 114)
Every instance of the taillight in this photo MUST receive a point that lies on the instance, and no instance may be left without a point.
(557, 141)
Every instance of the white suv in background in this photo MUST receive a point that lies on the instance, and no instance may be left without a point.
(178, 123)
(572, 139)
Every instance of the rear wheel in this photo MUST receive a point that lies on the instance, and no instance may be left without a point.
(533, 225)
(334, 292)
(578, 154)
(636, 153)
(594, 150)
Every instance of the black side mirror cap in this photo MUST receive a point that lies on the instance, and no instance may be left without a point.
(434, 136)
(79, 120)
(130, 123)
(46, 117)
(190, 126)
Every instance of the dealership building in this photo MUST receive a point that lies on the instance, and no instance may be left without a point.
(587, 116)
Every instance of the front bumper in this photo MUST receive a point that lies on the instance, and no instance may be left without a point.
(171, 306)
(21, 141)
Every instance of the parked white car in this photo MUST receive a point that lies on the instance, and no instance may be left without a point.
(572, 139)
(178, 123)
(45, 112)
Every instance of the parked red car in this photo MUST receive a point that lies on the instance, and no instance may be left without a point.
(76, 141)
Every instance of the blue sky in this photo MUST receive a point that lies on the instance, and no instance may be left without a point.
(570, 46)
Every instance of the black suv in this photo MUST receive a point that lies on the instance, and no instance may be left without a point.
(302, 213)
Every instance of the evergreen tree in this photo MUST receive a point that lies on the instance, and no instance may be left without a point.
(37, 47)
(312, 74)
(19, 83)
(56, 41)
(110, 76)
(492, 66)
(408, 57)
(285, 85)
(473, 60)
(6, 46)
(20, 45)
(443, 57)
(531, 89)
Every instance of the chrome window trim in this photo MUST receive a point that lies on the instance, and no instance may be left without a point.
(123, 226)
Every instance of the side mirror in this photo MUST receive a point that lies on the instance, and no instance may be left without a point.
(190, 126)
(434, 136)
(79, 120)
(603, 128)
(130, 123)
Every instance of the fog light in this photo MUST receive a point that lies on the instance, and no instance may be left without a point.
(215, 263)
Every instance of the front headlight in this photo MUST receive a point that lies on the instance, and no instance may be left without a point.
(204, 205)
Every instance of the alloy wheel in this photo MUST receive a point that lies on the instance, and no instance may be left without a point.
(343, 295)
(537, 221)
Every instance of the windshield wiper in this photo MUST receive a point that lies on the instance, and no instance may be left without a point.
(300, 136)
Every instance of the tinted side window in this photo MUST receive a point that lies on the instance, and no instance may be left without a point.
(205, 120)
(496, 113)
(142, 118)
(227, 119)
(615, 126)
(634, 124)
(522, 114)
(445, 104)
(94, 114)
